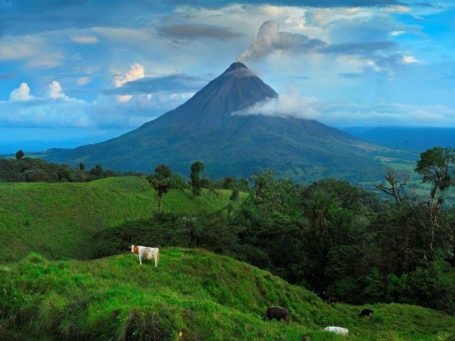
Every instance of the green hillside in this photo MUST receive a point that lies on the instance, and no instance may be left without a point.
(59, 219)
(192, 295)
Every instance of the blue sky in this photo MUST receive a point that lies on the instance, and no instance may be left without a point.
(74, 72)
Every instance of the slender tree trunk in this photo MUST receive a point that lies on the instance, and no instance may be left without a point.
(160, 203)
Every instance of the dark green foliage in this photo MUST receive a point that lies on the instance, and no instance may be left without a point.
(329, 236)
(161, 181)
(206, 230)
(196, 181)
(19, 154)
(235, 195)
(435, 166)
(177, 181)
(36, 170)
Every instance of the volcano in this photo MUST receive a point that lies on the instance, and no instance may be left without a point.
(206, 128)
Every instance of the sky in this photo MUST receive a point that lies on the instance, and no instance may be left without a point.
(75, 72)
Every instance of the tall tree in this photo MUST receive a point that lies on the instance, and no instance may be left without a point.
(19, 154)
(195, 177)
(396, 183)
(161, 182)
(435, 166)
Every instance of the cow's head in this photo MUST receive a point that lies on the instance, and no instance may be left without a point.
(133, 248)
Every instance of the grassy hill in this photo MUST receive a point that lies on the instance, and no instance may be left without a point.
(59, 219)
(192, 295)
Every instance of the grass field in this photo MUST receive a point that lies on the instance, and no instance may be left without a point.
(59, 219)
(192, 295)
(51, 289)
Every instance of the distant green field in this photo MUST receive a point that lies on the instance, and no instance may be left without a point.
(192, 295)
(59, 219)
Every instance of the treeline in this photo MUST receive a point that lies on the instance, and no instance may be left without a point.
(24, 169)
(335, 239)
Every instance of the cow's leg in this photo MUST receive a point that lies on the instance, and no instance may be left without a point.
(155, 258)
(140, 260)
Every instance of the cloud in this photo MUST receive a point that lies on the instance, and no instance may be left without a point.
(55, 90)
(409, 60)
(360, 48)
(190, 31)
(33, 51)
(55, 109)
(83, 80)
(353, 114)
(7, 75)
(12, 49)
(270, 39)
(85, 39)
(136, 72)
(22, 93)
(397, 33)
(174, 83)
(285, 105)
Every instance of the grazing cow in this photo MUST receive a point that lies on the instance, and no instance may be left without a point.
(327, 298)
(277, 313)
(144, 252)
(366, 312)
(337, 330)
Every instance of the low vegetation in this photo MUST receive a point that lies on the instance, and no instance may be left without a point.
(192, 295)
(342, 242)
(24, 169)
(59, 220)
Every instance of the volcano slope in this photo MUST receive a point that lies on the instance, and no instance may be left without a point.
(210, 127)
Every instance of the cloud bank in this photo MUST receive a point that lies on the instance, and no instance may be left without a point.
(351, 114)
(192, 31)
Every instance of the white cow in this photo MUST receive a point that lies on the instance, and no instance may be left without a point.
(337, 330)
(144, 252)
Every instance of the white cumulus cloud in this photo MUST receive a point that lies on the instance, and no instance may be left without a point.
(409, 60)
(353, 114)
(55, 90)
(285, 105)
(22, 93)
(135, 72)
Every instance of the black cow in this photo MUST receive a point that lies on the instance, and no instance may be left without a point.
(366, 312)
(327, 298)
(277, 313)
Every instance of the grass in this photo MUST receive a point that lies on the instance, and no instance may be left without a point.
(192, 295)
(59, 219)
(58, 292)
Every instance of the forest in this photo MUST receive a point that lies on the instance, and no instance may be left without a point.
(338, 240)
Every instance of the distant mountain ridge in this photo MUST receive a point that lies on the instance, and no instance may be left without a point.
(418, 138)
(203, 128)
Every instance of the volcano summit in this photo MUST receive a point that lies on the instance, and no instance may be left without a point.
(204, 128)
